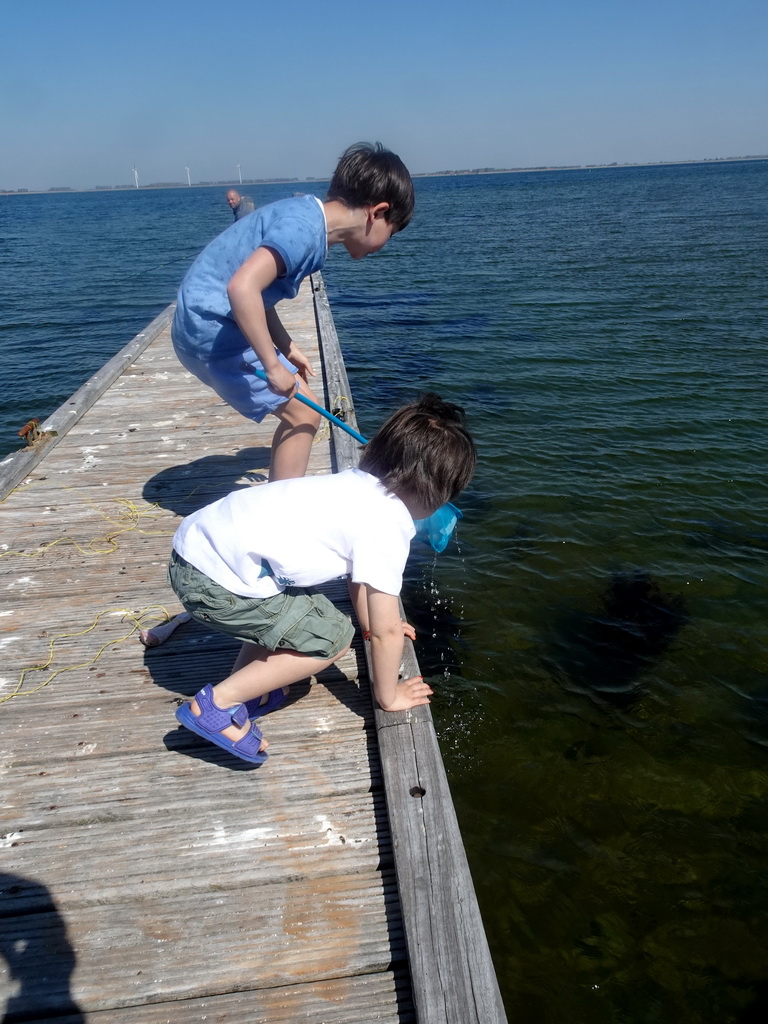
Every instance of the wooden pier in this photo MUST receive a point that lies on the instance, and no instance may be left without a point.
(146, 876)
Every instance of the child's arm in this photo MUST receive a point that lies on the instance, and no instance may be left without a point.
(287, 345)
(358, 594)
(244, 292)
(359, 597)
(382, 613)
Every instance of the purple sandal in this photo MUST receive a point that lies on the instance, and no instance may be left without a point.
(274, 700)
(212, 720)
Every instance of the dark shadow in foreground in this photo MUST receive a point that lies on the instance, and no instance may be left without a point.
(40, 957)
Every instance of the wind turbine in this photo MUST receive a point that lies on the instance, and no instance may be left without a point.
(239, 174)
(189, 182)
(135, 176)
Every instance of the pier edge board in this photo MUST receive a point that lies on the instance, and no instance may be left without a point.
(452, 973)
(345, 450)
(15, 466)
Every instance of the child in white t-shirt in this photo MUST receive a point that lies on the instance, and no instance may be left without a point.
(248, 565)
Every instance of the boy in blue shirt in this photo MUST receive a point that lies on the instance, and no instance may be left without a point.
(225, 323)
(249, 565)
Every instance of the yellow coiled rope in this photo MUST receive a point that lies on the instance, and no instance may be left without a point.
(139, 620)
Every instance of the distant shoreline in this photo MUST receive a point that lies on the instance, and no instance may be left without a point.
(64, 190)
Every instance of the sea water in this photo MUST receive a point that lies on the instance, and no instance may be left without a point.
(597, 633)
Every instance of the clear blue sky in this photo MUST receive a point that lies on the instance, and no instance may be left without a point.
(89, 89)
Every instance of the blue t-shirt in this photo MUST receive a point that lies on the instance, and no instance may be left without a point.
(295, 228)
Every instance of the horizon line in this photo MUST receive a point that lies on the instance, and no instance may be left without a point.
(65, 189)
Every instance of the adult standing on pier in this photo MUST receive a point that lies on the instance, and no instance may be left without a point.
(225, 324)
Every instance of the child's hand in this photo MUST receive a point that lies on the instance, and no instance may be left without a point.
(410, 694)
(281, 381)
(300, 361)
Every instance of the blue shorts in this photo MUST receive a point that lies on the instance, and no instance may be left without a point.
(224, 362)
(298, 619)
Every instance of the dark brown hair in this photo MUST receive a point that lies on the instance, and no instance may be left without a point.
(423, 451)
(368, 174)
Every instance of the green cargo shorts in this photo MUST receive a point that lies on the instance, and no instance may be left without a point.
(298, 619)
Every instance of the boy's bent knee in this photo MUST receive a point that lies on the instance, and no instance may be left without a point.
(296, 414)
(342, 652)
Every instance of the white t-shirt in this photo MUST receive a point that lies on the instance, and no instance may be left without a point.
(310, 530)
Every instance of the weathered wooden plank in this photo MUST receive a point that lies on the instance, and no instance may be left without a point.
(334, 1001)
(87, 636)
(77, 674)
(448, 950)
(453, 975)
(164, 483)
(243, 843)
(83, 668)
(16, 466)
(345, 448)
(94, 725)
(144, 951)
